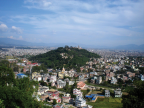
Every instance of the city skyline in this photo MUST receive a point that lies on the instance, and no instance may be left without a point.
(101, 22)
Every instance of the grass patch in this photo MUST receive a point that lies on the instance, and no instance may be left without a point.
(118, 100)
(108, 88)
(111, 100)
(105, 103)
(96, 92)
(115, 100)
(84, 92)
(70, 107)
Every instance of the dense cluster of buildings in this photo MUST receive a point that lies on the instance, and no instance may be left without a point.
(109, 68)
(21, 52)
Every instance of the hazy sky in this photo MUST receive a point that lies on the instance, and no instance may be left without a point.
(90, 22)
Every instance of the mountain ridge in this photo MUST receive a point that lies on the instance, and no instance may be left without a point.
(13, 42)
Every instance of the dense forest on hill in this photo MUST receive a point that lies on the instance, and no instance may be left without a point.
(74, 58)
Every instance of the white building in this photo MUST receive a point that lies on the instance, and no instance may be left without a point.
(118, 93)
(37, 78)
(80, 102)
(71, 82)
(52, 78)
(113, 80)
(77, 92)
(42, 90)
(142, 77)
(61, 84)
(99, 80)
(107, 93)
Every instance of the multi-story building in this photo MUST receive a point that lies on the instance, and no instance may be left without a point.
(80, 102)
(71, 82)
(81, 85)
(61, 84)
(52, 78)
(77, 92)
(107, 93)
(54, 94)
(142, 77)
(99, 80)
(118, 93)
(42, 90)
(66, 98)
(38, 78)
(113, 80)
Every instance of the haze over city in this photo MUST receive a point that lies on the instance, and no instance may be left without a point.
(89, 22)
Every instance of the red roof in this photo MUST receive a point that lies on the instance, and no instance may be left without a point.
(34, 63)
(81, 84)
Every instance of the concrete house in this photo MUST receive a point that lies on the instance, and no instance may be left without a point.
(52, 78)
(107, 93)
(80, 102)
(66, 98)
(81, 85)
(118, 93)
(99, 80)
(61, 84)
(77, 92)
(113, 80)
(142, 77)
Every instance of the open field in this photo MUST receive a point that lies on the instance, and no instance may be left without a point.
(115, 100)
(108, 88)
(106, 103)
(84, 92)
(96, 92)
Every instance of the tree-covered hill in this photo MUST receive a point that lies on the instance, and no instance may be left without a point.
(69, 57)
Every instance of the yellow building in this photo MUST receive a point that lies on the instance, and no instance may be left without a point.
(61, 74)
(34, 74)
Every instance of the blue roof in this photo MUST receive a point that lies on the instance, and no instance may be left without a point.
(93, 96)
(20, 74)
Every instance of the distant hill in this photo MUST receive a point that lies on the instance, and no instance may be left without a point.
(67, 57)
(13, 42)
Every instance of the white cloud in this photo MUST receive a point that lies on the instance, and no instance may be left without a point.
(96, 18)
(16, 29)
(11, 37)
(16, 38)
(38, 4)
(3, 27)
(20, 38)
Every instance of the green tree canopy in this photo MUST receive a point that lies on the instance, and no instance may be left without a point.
(17, 93)
(75, 58)
(135, 98)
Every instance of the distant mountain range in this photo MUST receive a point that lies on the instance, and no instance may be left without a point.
(13, 42)
(131, 47)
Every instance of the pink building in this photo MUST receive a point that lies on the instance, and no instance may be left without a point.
(54, 94)
(81, 85)
(77, 92)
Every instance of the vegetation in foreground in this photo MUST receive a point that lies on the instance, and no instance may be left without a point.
(17, 93)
